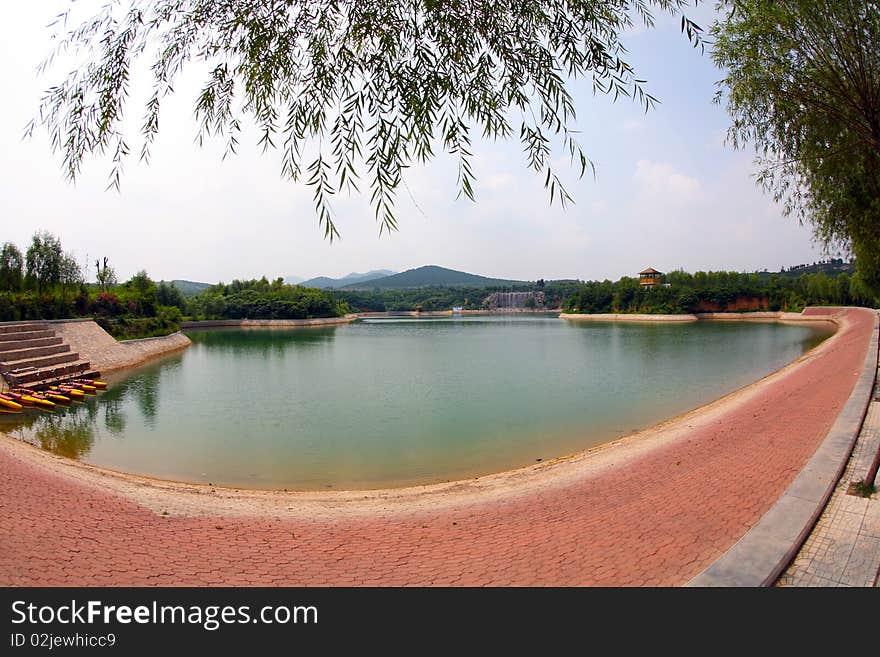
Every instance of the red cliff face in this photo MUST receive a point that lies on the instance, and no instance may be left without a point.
(740, 303)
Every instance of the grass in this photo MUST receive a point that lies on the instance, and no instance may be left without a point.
(861, 489)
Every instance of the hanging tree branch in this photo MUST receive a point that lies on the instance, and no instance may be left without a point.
(376, 84)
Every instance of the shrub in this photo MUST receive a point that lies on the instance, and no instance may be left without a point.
(131, 328)
(106, 305)
(10, 310)
(169, 314)
(81, 303)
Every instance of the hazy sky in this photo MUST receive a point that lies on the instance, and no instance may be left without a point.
(669, 194)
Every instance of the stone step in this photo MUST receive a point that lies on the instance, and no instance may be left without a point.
(34, 352)
(43, 385)
(23, 327)
(27, 344)
(25, 335)
(65, 371)
(41, 361)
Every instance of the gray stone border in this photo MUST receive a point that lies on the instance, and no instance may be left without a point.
(268, 323)
(49, 321)
(754, 316)
(155, 337)
(764, 552)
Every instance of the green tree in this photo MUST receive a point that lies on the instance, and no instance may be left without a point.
(842, 284)
(342, 88)
(141, 291)
(142, 283)
(43, 260)
(801, 84)
(70, 274)
(105, 275)
(167, 294)
(625, 293)
(860, 293)
(11, 266)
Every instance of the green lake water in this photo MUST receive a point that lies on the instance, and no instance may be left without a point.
(393, 402)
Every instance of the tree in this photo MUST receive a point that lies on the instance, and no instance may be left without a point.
(803, 84)
(626, 291)
(141, 293)
(43, 260)
(71, 274)
(11, 266)
(142, 283)
(105, 275)
(167, 294)
(346, 87)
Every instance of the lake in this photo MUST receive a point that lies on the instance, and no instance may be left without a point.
(402, 401)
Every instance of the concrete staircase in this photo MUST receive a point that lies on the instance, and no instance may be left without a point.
(31, 355)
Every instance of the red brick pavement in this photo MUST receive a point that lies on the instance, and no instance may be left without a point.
(657, 519)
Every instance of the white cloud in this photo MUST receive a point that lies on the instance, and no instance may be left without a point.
(599, 207)
(499, 181)
(631, 126)
(721, 221)
(662, 182)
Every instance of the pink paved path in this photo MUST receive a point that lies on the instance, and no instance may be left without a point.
(656, 519)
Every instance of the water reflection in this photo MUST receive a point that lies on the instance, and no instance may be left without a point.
(261, 341)
(146, 393)
(71, 430)
(67, 434)
(67, 431)
(114, 417)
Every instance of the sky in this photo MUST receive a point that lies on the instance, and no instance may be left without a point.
(668, 192)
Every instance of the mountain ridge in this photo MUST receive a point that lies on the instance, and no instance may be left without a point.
(325, 282)
(432, 275)
(188, 288)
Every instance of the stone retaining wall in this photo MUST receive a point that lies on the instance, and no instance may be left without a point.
(630, 317)
(692, 317)
(105, 353)
(321, 321)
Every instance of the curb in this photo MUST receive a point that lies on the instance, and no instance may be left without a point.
(49, 321)
(764, 552)
(760, 316)
(152, 339)
(268, 323)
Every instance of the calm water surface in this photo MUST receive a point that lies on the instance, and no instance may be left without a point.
(392, 402)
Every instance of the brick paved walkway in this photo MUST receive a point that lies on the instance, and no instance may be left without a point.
(844, 547)
(654, 510)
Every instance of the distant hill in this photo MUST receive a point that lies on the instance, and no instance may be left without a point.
(432, 275)
(293, 280)
(324, 282)
(190, 288)
(830, 267)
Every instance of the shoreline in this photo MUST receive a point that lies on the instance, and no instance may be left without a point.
(482, 483)
(654, 508)
(267, 323)
(748, 316)
(352, 317)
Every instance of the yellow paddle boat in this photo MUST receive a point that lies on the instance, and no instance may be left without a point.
(10, 405)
